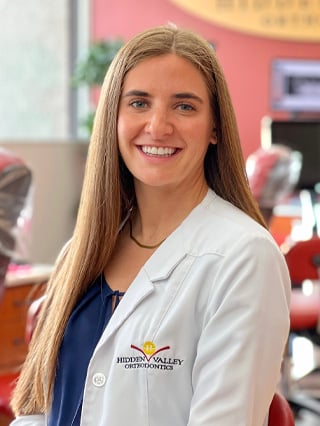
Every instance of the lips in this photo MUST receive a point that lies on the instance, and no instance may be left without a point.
(158, 151)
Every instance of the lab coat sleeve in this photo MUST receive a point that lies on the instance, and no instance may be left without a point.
(245, 330)
(32, 420)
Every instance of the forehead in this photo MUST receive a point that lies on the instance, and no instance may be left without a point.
(165, 71)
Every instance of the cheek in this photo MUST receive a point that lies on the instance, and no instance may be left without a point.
(121, 127)
(125, 146)
(127, 128)
(123, 135)
(202, 133)
(121, 138)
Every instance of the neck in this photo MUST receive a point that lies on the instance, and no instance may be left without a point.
(146, 246)
(159, 207)
(156, 217)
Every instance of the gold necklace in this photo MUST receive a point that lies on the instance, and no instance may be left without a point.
(140, 244)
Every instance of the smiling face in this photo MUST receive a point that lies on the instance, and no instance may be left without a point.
(165, 123)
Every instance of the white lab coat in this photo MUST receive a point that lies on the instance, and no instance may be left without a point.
(199, 336)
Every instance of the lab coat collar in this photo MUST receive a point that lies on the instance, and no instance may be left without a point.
(164, 260)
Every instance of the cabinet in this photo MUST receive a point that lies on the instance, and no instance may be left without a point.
(22, 287)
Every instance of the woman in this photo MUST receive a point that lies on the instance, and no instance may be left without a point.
(167, 225)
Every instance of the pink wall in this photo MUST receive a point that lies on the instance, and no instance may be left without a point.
(245, 59)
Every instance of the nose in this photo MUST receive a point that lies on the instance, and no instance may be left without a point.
(159, 124)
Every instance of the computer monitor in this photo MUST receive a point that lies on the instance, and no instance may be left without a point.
(295, 85)
(299, 135)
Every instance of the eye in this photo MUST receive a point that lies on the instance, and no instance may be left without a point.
(185, 107)
(139, 103)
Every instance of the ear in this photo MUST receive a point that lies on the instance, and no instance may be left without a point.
(213, 137)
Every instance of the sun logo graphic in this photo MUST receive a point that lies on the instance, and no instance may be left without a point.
(149, 349)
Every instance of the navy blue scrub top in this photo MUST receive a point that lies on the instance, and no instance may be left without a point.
(83, 331)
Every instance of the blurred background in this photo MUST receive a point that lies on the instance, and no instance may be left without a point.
(43, 106)
(53, 56)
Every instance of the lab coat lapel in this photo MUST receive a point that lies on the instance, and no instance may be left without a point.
(158, 267)
(140, 288)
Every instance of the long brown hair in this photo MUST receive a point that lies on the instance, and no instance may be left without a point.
(108, 194)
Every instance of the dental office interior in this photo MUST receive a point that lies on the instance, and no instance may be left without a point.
(50, 53)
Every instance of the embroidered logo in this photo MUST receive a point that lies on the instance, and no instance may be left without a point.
(150, 358)
(149, 349)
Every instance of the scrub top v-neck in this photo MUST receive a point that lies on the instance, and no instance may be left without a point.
(84, 329)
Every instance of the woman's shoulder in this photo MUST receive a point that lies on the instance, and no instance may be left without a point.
(217, 225)
(30, 420)
(216, 214)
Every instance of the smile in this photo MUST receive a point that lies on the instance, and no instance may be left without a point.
(160, 151)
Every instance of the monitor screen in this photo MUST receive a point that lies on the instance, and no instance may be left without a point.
(299, 135)
(295, 85)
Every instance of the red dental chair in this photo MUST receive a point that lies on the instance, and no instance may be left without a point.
(272, 174)
(303, 260)
(280, 413)
(15, 181)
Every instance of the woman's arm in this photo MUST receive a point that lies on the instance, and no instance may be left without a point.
(32, 420)
(240, 351)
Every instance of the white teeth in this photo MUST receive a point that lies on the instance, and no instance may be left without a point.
(162, 151)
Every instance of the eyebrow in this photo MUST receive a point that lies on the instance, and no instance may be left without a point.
(182, 95)
(188, 95)
(136, 93)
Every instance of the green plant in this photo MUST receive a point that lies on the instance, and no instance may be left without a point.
(90, 71)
